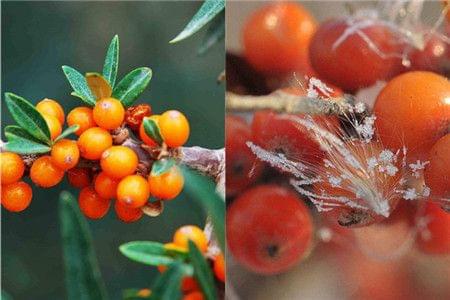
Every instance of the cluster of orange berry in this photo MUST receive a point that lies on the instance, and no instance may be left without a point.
(117, 178)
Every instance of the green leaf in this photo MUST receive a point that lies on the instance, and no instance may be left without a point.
(202, 272)
(214, 34)
(112, 61)
(168, 285)
(26, 115)
(83, 278)
(20, 141)
(162, 166)
(132, 85)
(79, 84)
(134, 294)
(68, 131)
(208, 10)
(145, 252)
(203, 190)
(152, 130)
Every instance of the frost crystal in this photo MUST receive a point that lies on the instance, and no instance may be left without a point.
(418, 167)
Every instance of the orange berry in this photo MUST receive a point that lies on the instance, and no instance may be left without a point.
(174, 128)
(81, 116)
(197, 295)
(173, 246)
(53, 125)
(119, 161)
(133, 191)
(144, 137)
(167, 185)
(109, 113)
(193, 233)
(91, 204)
(93, 142)
(52, 108)
(12, 167)
(79, 177)
(16, 196)
(65, 154)
(144, 293)
(127, 214)
(105, 186)
(219, 267)
(44, 173)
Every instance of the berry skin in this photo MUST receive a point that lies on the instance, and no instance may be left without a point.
(242, 167)
(167, 185)
(219, 267)
(127, 214)
(65, 154)
(277, 36)
(412, 114)
(44, 173)
(133, 191)
(437, 173)
(346, 64)
(16, 196)
(197, 295)
(144, 137)
(12, 167)
(109, 113)
(431, 57)
(174, 128)
(269, 229)
(91, 204)
(93, 142)
(105, 186)
(119, 161)
(193, 233)
(79, 177)
(435, 239)
(53, 125)
(52, 108)
(83, 117)
(135, 114)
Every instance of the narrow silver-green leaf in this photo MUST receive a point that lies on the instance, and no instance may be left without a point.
(202, 272)
(214, 34)
(26, 115)
(112, 61)
(83, 278)
(132, 85)
(167, 286)
(161, 166)
(20, 141)
(152, 130)
(203, 190)
(208, 10)
(79, 84)
(68, 131)
(145, 252)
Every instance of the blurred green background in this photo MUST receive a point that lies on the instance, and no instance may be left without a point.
(37, 39)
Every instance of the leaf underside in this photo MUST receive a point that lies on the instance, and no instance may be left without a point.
(99, 86)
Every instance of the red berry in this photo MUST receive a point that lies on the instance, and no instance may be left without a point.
(127, 214)
(431, 58)
(91, 204)
(437, 173)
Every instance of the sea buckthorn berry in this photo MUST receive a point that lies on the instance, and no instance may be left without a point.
(174, 128)
(219, 267)
(44, 173)
(135, 114)
(79, 177)
(16, 196)
(435, 238)
(83, 117)
(12, 167)
(197, 295)
(127, 214)
(119, 161)
(269, 229)
(173, 246)
(144, 137)
(193, 233)
(65, 154)
(133, 191)
(53, 125)
(437, 173)
(167, 185)
(93, 142)
(106, 186)
(109, 113)
(411, 114)
(91, 204)
(277, 36)
(52, 108)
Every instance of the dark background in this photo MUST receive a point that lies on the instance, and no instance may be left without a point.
(37, 39)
